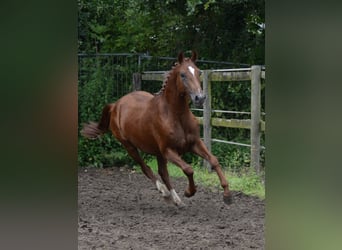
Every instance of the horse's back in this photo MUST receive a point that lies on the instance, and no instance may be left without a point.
(132, 105)
(133, 100)
(131, 119)
(138, 96)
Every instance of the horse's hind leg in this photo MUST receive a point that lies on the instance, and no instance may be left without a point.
(133, 152)
(164, 174)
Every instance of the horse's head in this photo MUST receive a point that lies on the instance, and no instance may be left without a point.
(189, 78)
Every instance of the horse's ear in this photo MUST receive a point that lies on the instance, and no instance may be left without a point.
(180, 57)
(194, 56)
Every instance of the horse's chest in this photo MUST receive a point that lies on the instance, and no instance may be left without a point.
(181, 138)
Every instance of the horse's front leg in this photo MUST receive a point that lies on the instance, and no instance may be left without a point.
(200, 149)
(173, 157)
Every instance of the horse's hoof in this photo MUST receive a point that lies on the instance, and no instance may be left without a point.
(188, 193)
(228, 199)
(180, 205)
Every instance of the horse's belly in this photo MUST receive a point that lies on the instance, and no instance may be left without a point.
(142, 141)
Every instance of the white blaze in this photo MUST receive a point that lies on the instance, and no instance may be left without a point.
(192, 70)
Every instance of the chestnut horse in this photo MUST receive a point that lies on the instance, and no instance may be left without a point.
(162, 125)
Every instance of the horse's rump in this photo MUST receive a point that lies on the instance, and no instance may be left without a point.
(131, 121)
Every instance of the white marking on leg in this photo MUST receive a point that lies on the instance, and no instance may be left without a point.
(163, 189)
(192, 70)
(176, 198)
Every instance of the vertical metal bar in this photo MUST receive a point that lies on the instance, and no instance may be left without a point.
(136, 82)
(207, 113)
(255, 116)
(116, 78)
(139, 63)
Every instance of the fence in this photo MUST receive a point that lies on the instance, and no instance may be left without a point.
(256, 125)
(117, 69)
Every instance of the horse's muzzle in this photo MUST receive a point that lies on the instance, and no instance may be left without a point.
(198, 99)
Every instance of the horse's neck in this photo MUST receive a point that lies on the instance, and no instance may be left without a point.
(177, 102)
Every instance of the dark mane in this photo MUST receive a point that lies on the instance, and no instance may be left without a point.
(167, 76)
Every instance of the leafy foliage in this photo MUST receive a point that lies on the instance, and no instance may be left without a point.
(226, 30)
(96, 89)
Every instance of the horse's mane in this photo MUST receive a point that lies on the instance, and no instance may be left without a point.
(167, 76)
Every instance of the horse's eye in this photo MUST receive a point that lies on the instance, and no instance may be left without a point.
(182, 75)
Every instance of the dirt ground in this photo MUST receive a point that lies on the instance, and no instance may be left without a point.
(120, 209)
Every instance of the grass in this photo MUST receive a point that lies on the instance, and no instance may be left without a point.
(247, 181)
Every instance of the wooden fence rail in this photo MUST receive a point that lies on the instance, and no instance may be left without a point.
(255, 124)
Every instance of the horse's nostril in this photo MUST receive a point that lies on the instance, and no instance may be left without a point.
(201, 98)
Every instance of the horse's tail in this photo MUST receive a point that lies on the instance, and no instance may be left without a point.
(93, 130)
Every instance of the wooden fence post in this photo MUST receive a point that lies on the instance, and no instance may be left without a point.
(207, 114)
(255, 116)
(136, 81)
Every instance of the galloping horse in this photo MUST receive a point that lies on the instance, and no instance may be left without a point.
(162, 125)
